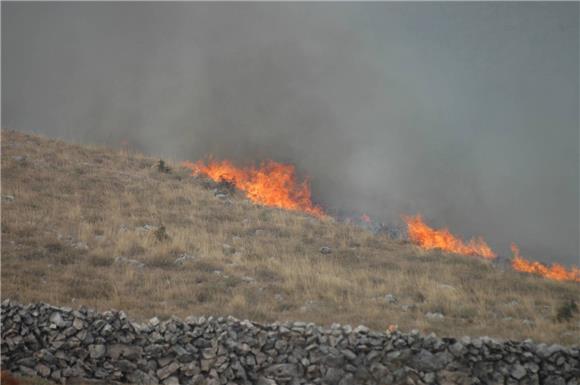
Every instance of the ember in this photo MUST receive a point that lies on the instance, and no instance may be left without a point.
(429, 238)
(271, 184)
(556, 271)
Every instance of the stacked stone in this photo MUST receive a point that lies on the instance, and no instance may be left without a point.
(62, 343)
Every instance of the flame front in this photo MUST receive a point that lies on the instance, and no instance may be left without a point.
(271, 184)
(556, 271)
(365, 218)
(443, 239)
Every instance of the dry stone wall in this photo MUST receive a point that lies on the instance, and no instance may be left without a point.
(62, 343)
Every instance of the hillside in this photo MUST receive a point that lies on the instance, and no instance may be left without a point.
(106, 228)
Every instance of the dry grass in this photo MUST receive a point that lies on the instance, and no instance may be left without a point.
(76, 208)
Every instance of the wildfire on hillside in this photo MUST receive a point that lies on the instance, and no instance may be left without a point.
(556, 271)
(276, 185)
(271, 183)
(429, 238)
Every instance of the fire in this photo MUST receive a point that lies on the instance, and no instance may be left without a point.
(429, 238)
(271, 184)
(365, 218)
(556, 271)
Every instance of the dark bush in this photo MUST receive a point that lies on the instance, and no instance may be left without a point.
(162, 167)
(161, 234)
(566, 311)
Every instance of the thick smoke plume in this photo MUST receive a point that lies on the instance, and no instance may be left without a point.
(465, 113)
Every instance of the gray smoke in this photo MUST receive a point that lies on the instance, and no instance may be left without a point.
(466, 113)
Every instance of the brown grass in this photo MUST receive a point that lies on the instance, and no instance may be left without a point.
(76, 208)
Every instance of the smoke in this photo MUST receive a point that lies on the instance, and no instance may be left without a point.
(466, 113)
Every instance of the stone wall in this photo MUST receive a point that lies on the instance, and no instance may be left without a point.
(61, 343)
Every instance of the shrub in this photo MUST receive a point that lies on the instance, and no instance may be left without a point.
(566, 311)
(101, 260)
(226, 186)
(161, 234)
(162, 167)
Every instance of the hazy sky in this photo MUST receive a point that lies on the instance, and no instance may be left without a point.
(465, 112)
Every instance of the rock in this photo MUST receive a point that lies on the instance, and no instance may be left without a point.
(42, 370)
(198, 379)
(361, 329)
(131, 352)
(457, 349)
(27, 371)
(429, 378)
(554, 380)
(29, 362)
(435, 316)
(142, 378)
(390, 298)
(266, 381)
(283, 372)
(333, 376)
(528, 322)
(81, 246)
(518, 372)
(57, 320)
(426, 361)
(78, 324)
(348, 354)
(120, 260)
(153, 322)
(183, 258)
(60, 343)
(8, 198)
(348, 379)
(325, 250)
(167, 371)
(454, 378)
(171, 381)
(97, 351)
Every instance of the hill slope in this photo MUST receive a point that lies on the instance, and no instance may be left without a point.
(106, 228)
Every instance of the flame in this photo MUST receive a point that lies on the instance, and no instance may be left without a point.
(271, 184)
(365, 218)
(556, 271)
(429, 238)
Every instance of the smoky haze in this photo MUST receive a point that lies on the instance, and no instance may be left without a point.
(464, 112)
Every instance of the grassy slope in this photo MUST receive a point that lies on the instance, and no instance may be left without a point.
(68, 196)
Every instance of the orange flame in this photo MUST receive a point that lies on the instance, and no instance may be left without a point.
(429, 238)
(556, 271)
(365, 218)
(271, 184)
